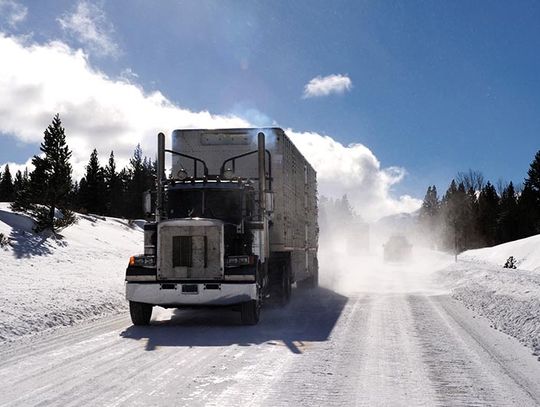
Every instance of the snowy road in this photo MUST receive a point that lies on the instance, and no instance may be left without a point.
(393, 345)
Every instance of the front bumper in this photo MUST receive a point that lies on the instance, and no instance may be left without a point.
(173, 294)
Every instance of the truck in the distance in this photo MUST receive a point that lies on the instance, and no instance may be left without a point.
(235, 224)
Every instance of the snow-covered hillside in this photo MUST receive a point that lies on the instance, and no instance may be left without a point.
(509, 298)
(525, 251)
(48, 282)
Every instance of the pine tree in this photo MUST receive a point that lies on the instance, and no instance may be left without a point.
(125, 180)
(141, 178)
(92, 192)
(50, 182)
(527, 217)
(488, 213)
(460, 210)
(18, 182)
(448, 213)
(456, 214)
(75, 196)
(7, 191)
(114, 188)
(430, 205)
(508, 215)
(429, 216)
(533, 174)
(532, 183)
(22, 199)
(463, 215)
(471, 236)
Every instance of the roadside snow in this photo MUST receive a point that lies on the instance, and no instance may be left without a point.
(509, 298)
(525, 251)
(48, 282)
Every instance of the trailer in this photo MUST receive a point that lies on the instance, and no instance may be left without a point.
(235, 224)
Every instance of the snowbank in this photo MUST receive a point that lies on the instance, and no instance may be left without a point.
(525, 251)
(509, 298)
(48, 282)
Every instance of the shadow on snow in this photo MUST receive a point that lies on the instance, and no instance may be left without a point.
(28, 244)
(309, 317)
(24, 241)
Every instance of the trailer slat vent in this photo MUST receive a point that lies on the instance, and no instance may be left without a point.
(205, 251)
(182, 251)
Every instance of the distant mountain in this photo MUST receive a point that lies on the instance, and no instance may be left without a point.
(400, 221)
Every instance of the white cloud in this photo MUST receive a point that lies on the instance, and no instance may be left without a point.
(37, 81)
(354, 170)
(12, 12)
(323, 86)
(127, 75)
(89, 24)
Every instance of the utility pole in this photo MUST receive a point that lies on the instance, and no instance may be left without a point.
(455, 241)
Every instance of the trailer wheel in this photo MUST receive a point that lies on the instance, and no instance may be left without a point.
(315, 279)
(310, 282)
(140, 313)
(250, 312)
(286, 286)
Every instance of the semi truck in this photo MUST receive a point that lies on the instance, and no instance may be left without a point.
(235, 224)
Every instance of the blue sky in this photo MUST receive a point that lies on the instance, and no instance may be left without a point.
(436, 87)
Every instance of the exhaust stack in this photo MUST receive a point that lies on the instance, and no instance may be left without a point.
(160, 175)
(262, 173)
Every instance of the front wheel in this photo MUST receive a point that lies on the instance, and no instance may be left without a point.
(140, 313)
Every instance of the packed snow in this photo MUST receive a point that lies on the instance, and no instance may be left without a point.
(50, 281)
(509, 298)
(386, 339)
(378, 334)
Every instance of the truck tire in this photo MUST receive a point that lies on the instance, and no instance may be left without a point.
(280, 282)
(310, 282)
(140, 313)
(286, 286)
(303, 284)
(250, 312)
(314, 280)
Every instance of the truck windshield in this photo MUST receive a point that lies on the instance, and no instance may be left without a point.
(220, 204)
